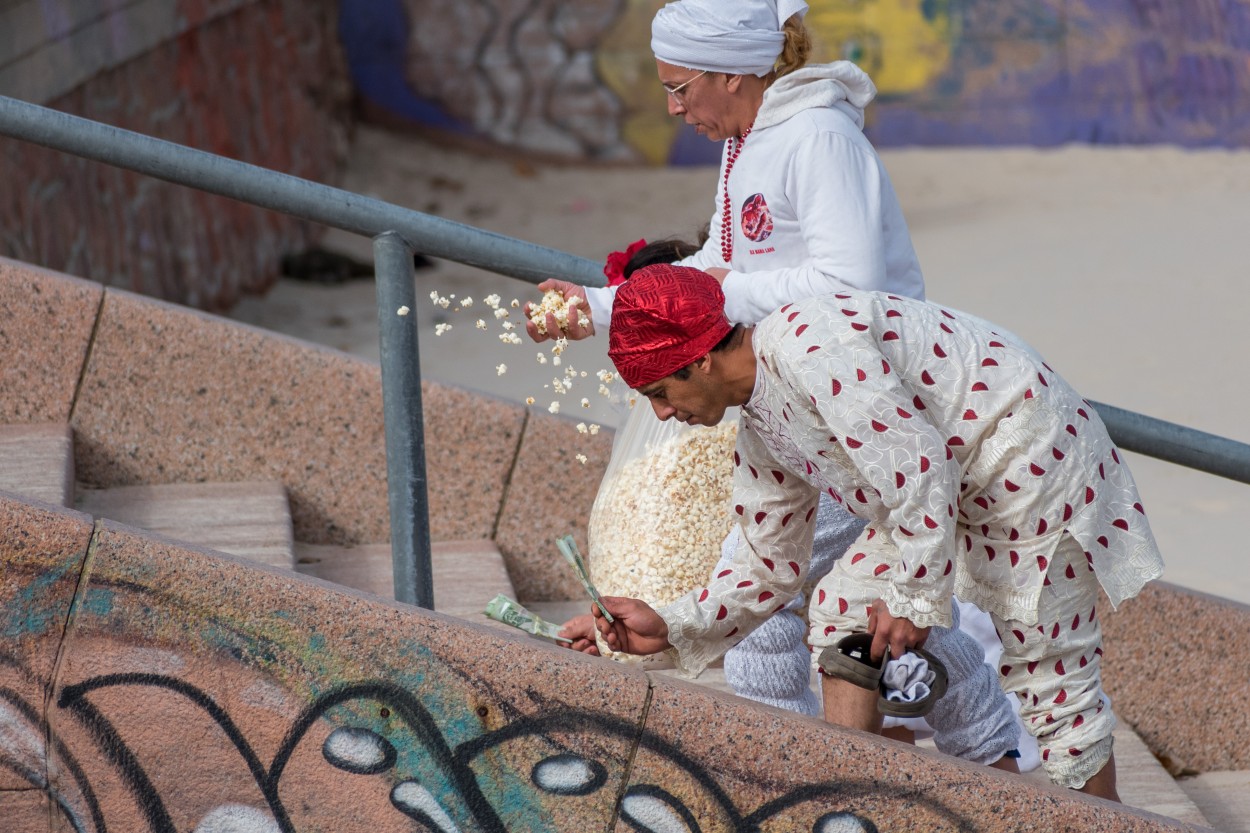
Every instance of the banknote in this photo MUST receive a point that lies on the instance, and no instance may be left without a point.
(568, 549)
(503, 609)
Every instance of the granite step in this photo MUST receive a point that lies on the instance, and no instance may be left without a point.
(1223, 797)
(37, 461)
(251, 519)
(467, 574)
(1143, 782)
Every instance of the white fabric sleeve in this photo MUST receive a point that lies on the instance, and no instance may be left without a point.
(902, 456)
(776, 515)
(600, 299)
(840, 218)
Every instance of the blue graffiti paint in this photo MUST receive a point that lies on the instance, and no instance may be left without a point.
(40, 605)
(98, 601)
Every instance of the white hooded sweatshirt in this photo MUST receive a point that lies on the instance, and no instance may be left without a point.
(813, 210)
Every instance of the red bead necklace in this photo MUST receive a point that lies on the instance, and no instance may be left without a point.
(726, 219)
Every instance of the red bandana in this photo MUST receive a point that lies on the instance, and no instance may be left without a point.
(664, 317)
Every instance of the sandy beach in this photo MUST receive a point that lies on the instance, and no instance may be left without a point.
(1122, 266)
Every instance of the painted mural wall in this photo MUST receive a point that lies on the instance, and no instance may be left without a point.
(576, 78)
(151, 688)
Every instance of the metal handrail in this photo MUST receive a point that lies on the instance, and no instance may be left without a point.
(398, 232)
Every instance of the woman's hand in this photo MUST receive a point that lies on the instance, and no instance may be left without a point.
(718, 272)
(899, 635)
(638, 629)
(580, 629)
(580, 326)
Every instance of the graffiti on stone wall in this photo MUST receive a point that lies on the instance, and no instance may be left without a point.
(376, 731)
(577, 78)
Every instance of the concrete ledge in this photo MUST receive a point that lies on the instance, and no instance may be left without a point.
(1175, 667)
(750, 760)
(47, 326)
(42, 553)
(144, 415)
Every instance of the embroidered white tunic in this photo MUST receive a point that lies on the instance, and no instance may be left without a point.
(968, 455)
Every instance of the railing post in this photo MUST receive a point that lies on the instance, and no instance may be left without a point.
(405, 429)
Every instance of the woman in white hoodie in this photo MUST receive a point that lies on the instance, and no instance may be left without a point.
(803, 207)
(803, 204)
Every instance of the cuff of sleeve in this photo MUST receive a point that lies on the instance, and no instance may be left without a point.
(687, 659)
(600, 300)
(921, 611)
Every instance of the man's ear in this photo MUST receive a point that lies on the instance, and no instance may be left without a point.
(733, 82)
(703, 365)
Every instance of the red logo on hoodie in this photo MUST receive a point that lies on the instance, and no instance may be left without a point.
(757, 220)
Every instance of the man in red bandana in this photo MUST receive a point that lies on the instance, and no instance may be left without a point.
(981, 473)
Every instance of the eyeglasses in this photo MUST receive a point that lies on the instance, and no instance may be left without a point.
(676, 93)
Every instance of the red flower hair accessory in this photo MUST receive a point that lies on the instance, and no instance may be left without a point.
(614, 269)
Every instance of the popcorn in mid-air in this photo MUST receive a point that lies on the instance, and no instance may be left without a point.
(556, 304)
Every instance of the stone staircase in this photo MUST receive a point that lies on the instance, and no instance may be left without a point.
(252, 520)
(249, 520)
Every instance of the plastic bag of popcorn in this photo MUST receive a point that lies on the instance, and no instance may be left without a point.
(662, 511)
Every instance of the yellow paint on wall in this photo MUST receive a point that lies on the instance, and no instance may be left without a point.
(902, 44)
(627, 66)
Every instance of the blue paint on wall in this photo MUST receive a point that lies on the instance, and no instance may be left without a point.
(374, 35)
(40, 605)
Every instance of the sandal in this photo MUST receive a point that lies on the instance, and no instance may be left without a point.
(921, 707)
(849, 660)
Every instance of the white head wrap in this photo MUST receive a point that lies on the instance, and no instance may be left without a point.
(739, 37)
